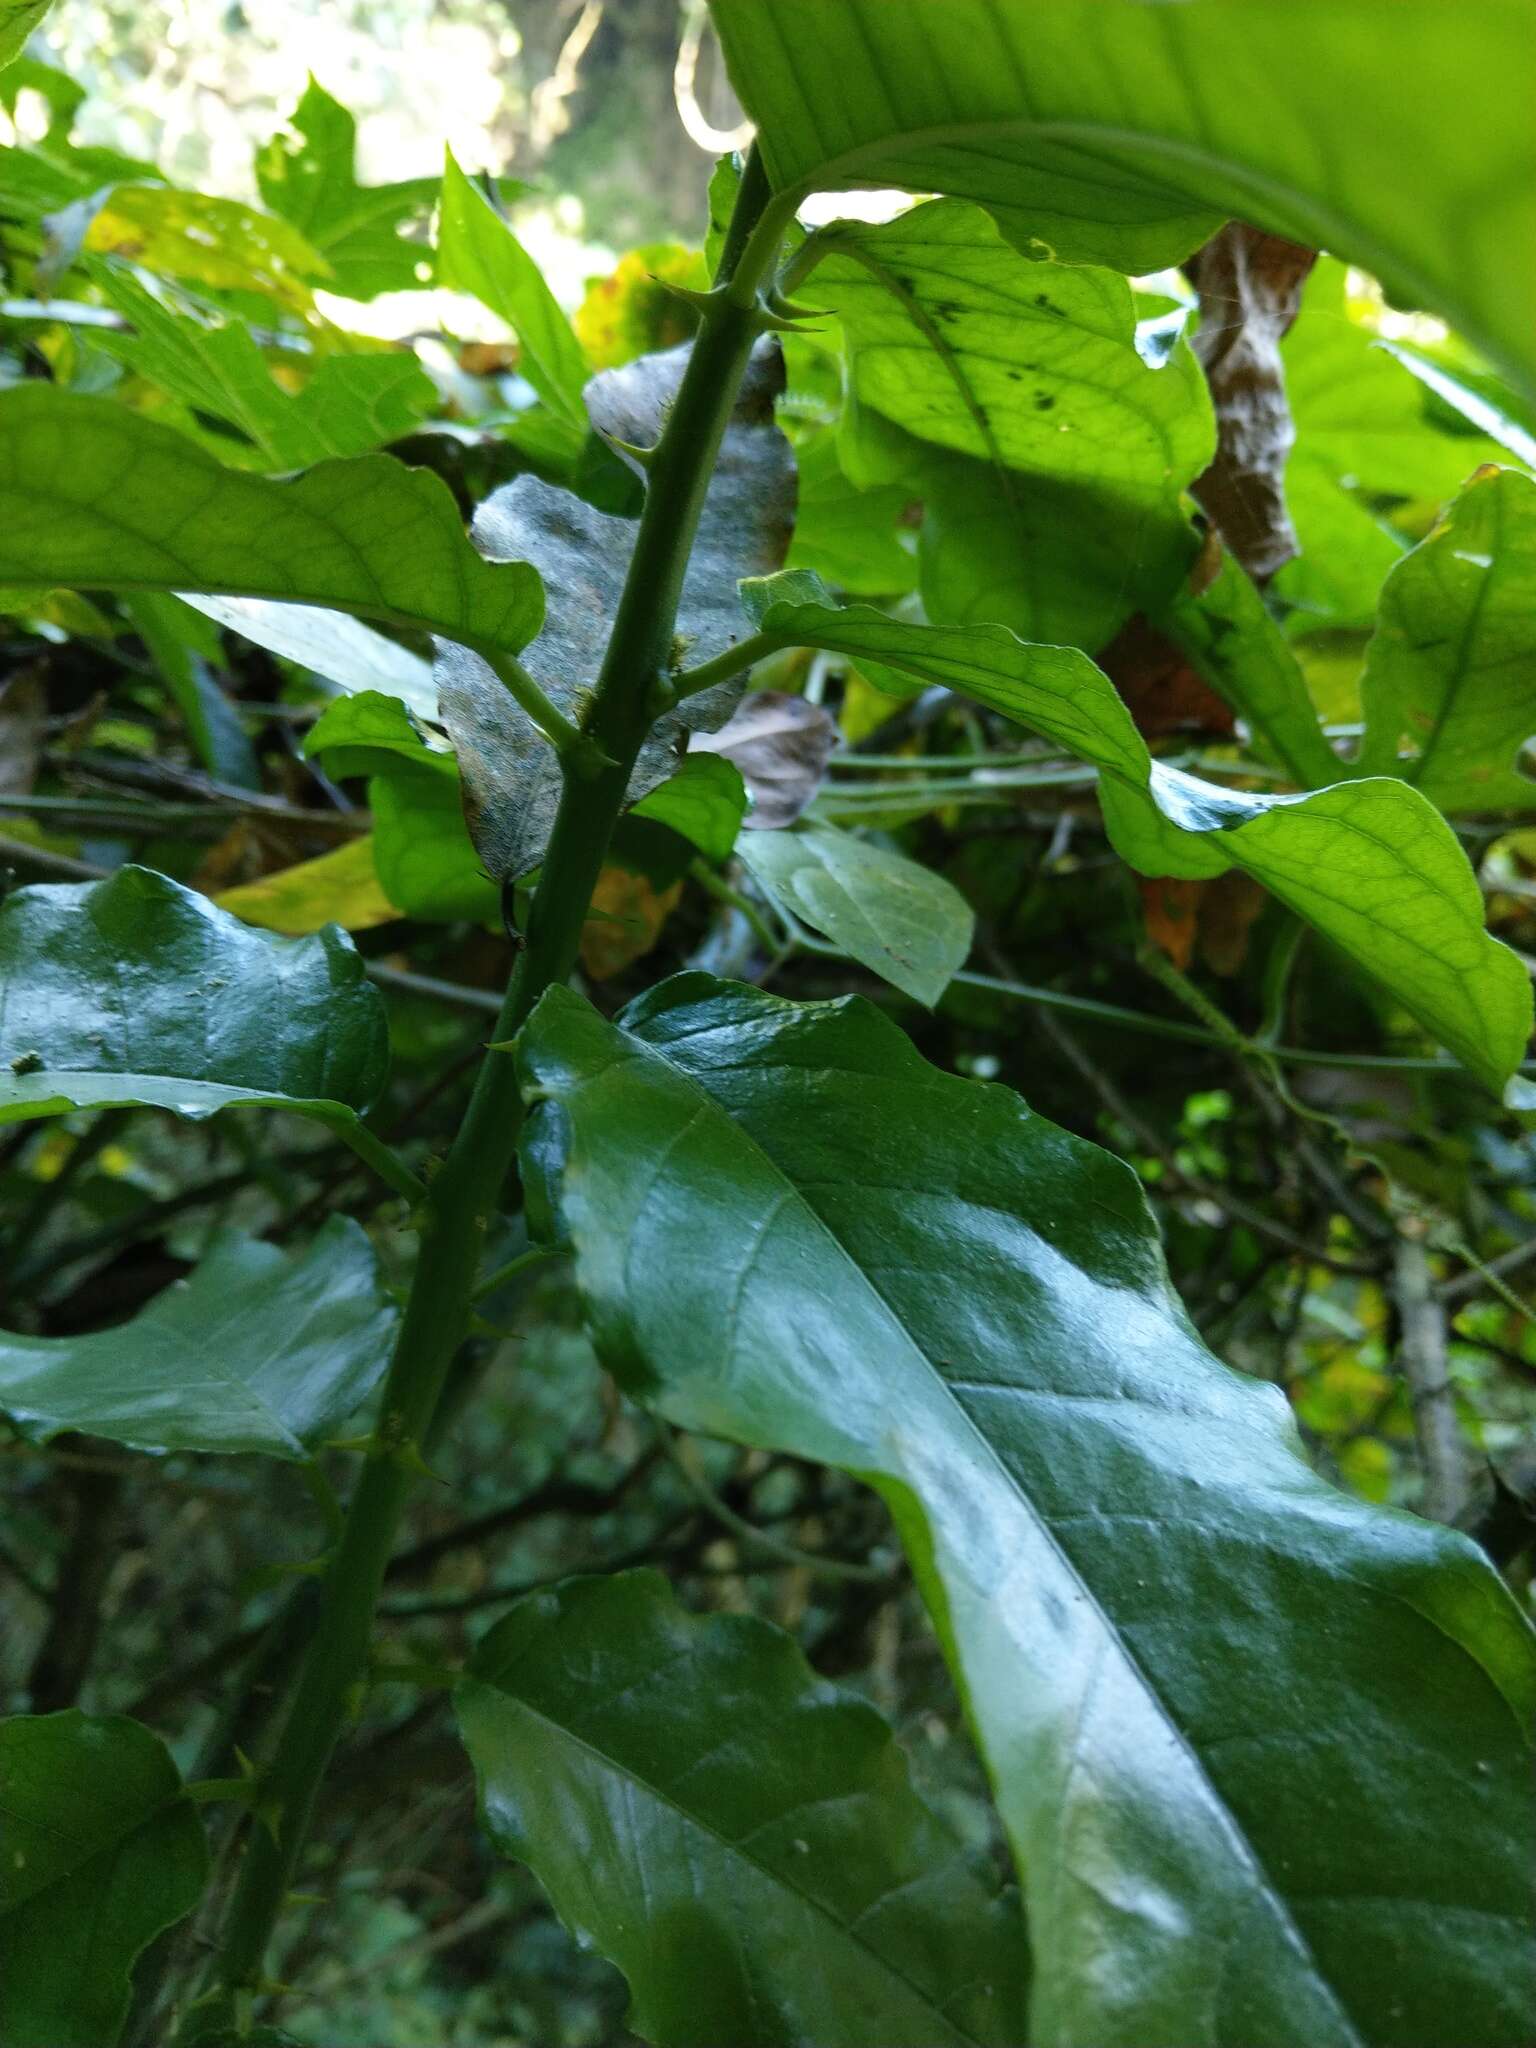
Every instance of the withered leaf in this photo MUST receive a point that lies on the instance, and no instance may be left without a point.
(510, 775)
(1163, 690)
(782, 745)
(1250, 289)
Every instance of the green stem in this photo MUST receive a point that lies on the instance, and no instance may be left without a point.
(757, 647)
(464, 1195)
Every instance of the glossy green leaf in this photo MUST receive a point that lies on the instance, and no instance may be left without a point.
(137, 991)
(1228, 634)
(478, 253)
(1262, 1750)
(308, 176)
(784, 1886)
(704, 802)
(18, 18)
(1370, 863)
(1452, 665)
(1118, 132)
(258, 1349)
(367, 536)
(347, 404)
(1066, 516)
(101, 1854)
(901, 920)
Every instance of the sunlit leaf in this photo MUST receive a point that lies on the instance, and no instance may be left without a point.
(1116, 132)
(367, 536)
(1452, 666)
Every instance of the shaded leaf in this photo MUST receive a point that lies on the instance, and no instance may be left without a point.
(851, 537)
(1370, 863)
(511, 775)
(1250, 292)
(1109, 131)
(135, 990)
(341, 888)
(101, 1854)
(1452, 664)
(425, 860)
(785, 1886)
(1262, 1751)
(624, 920)
(781, 744)
(308, 176)
(1032, 372)
(258, 1349)
(176, 639)
(901, 920)
(367, 535)
(705, 802)
(1224, 628)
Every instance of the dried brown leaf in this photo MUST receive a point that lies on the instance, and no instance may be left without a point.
(782, 745)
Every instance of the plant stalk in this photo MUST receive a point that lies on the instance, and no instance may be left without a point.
(464, 1195)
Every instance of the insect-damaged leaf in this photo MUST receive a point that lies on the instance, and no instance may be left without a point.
(783, 1886)
(511, 778)
(1250, 293)
(1263, 1751)
(782, 745)
(258, 1349)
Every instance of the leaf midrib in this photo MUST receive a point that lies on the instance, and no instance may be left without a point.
(1219, 1806)
(632, 1776)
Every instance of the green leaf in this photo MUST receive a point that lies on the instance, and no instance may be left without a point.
(1111, 131)
(478, 253)
(1262, 1750)
(1452, 661)
(258, 1349)
(780, 1886)
(425, 859)
(18, 18)
(704, 802)
(847, 535)
(370, 733)
(1229, 635)
(1066, 516)
(348, 403)
(1370, 863)
(101, 1855)
(899, 919)
(197, 239)
(367, 536)
(137, 991)
(308, 176)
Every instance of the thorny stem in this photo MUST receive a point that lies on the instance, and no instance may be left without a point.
(463, 1198)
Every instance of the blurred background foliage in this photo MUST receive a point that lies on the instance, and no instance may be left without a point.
(1297, 1202)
